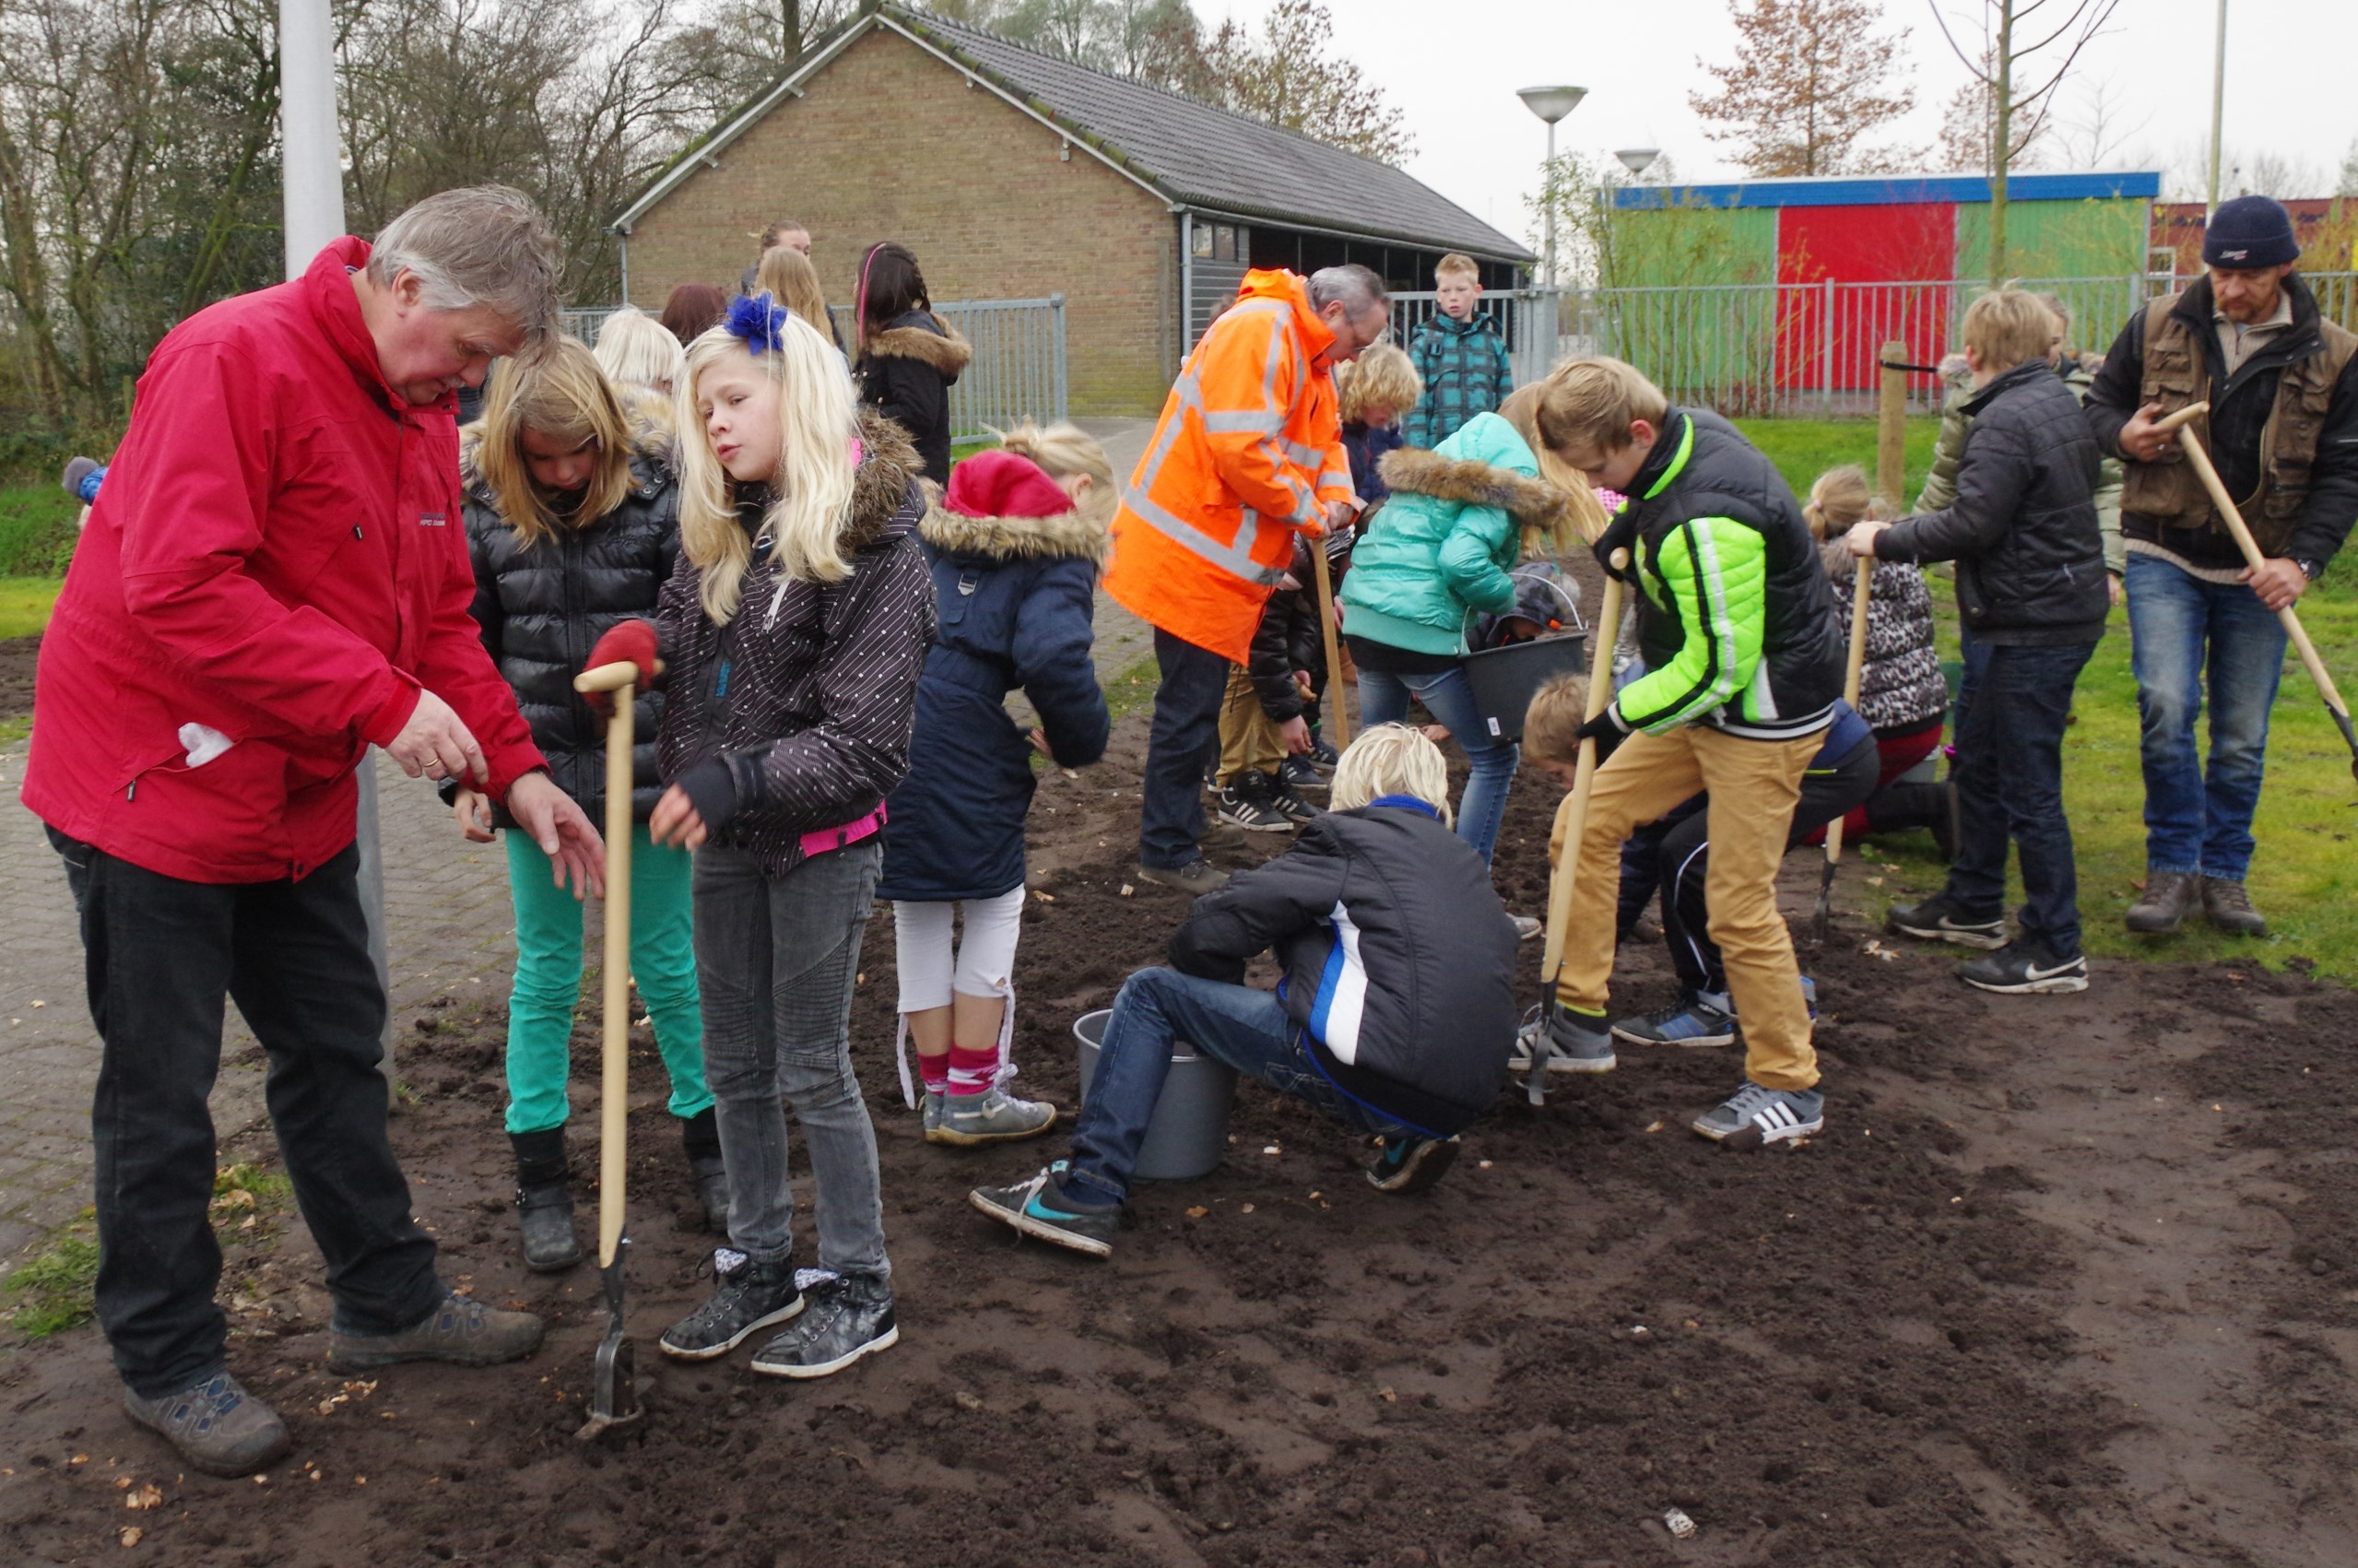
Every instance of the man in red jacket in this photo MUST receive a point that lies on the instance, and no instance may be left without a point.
(274, 578)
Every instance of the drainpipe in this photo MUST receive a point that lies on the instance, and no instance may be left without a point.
(622, 244)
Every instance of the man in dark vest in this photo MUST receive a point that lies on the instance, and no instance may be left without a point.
(2249, 339)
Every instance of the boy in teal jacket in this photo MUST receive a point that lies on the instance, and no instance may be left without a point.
(1460, 357)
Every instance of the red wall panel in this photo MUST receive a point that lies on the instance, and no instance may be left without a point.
(1897, 242)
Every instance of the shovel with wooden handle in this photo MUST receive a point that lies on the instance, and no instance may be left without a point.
(1860, 590)
(1341, 720)
(614, 1395)
(1574, 817)
(2191, 444)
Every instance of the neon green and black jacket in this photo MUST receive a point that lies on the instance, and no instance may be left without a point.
(1735, 621)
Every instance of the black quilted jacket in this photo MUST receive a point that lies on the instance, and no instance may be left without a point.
(543, 608)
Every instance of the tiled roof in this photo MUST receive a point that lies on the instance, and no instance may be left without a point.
(1206, 157)
(1191, 153)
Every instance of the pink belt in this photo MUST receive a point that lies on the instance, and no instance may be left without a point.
(827, 839)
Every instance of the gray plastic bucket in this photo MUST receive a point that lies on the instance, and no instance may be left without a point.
(1188, 1132)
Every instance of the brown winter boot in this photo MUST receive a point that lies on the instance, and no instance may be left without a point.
(2170, 897)
(2230, 908)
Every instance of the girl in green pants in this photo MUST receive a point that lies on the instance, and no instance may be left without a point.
(572, 522)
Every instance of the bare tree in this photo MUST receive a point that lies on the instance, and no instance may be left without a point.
(1811, 80)
(2022, 51)
(1286, 74)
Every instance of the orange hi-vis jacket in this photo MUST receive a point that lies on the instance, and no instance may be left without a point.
(1248, 450)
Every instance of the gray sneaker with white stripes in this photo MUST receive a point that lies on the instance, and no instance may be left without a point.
(1754, 1117)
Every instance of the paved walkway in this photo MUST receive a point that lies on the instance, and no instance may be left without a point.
(450, 929)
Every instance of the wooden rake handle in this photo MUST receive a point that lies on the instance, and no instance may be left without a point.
(1573, 813)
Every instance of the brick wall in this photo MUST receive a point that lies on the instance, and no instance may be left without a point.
(889, 143)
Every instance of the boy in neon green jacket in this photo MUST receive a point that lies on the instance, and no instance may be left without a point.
(1743, 664)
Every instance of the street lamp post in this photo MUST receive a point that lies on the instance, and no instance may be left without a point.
(1638, 159)
(1551, 104)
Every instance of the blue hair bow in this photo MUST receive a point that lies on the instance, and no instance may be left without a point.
(757, 319)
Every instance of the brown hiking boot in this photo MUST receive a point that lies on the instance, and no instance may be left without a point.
(2170, 897)
(2230, 908)
(461, 1330)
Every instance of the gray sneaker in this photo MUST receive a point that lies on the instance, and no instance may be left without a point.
(931, 1113)
(1574, 1042)
(462, 1331)
(850, 1316)
(992, 1117)
(213, 1425)
(1754, 1117)
(2169, 898)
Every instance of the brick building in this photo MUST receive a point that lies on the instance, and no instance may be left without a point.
(1014, 174)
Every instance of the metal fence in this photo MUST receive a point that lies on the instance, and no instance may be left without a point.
(1796, 348)
(1528, 319)
(1018, 371)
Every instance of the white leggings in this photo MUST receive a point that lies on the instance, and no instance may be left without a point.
(985, 960)
(983, 963)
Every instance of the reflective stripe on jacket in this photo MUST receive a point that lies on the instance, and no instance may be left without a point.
(1248, 450)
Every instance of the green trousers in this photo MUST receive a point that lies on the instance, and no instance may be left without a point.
(548, 978)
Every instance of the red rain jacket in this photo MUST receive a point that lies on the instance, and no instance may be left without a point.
(277, 555)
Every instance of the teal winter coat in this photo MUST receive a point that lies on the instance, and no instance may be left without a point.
(1443, 544)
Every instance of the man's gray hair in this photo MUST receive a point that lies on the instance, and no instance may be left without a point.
(1357, 287)
(483, 245)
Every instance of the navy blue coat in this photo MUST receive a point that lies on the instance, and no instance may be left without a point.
(1015, 596)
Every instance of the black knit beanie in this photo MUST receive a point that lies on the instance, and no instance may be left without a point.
(2247, 232)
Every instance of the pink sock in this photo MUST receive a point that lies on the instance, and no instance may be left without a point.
(972, 1072)
(935, 1070)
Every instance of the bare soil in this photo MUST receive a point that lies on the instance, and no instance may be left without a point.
(2066, 1282)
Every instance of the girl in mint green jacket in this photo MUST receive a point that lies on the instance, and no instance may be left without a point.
(1458, 521)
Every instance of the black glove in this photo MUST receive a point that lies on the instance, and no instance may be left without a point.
(721, 787)
(1605, 728)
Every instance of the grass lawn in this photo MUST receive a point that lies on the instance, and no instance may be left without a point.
(2305, 877)
(25, 603)
(36, 529)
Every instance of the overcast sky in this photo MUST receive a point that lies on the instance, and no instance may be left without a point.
(1454, 66)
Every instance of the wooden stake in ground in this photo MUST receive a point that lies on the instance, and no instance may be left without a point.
(1572, 817)
(1339, 723)
(614, 1393)
(1891, 429)
(2192, 445)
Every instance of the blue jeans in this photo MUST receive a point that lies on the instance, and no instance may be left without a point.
(1449, 697)
(2009, 777)
(1183, 741)
(1247, 1029)
(2198, 818)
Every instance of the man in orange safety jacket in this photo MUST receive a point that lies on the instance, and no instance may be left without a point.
(1248, 454)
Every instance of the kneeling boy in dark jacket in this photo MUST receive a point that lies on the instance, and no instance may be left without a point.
(1395, 1016)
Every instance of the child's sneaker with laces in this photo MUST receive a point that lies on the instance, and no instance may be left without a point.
(992, 1117)
(2026, 968)
(1576, 1043)
(1940, 919)
(1754, 1116)
(746, 1296)
(1247, 804)
(1288, 803)
(1699, 1018)
(1409, 1164)
(1039, 1207)
(1300, 774)
(850, 1316)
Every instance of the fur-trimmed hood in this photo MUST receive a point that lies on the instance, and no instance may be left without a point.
(888, 466)
(1068, 535)
(1532, 502)
(926, 339)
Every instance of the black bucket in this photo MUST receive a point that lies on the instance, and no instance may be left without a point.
(1505, 680)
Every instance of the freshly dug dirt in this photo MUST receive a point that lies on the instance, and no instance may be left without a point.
(17, 655)
(2066, 1282)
